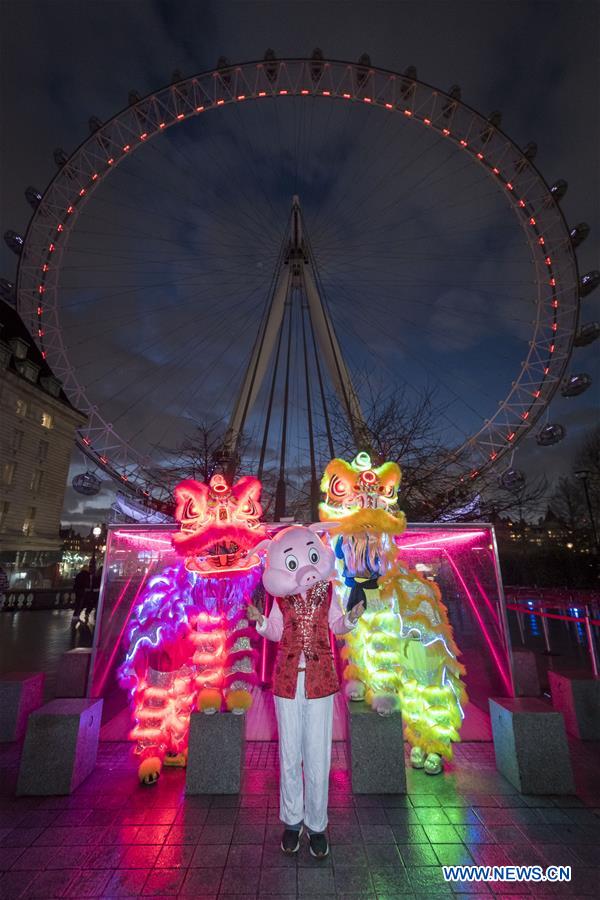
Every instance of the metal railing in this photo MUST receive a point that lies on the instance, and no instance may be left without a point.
(544, 604)
(17, 599)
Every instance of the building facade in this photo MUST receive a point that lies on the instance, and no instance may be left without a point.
(37, 435)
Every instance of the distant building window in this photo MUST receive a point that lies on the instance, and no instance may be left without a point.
(4, 514)
(29, 370)
(52, 385)
(37, 478)
(19, 348)
(43, 450)
(47, 420)
(21, 407)
(17, 439)
(8, 472)
(28, 524)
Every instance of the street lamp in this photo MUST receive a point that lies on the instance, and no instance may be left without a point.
(583, 476)
(96, 532)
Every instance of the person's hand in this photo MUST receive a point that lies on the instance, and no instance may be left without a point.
(254, 614)
(356, 612)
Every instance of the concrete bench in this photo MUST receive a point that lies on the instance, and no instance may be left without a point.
(73, 672)
(60, 747)
(531, 746)
(525, 673)
(20, 694)
(375, 750)
(577, 697)
(215, 753)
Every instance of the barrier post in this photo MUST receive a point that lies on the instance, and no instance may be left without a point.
(591, 642)
(545, 630)
(521, 625)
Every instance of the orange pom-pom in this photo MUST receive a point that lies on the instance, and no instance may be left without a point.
(209, 698)
(352, 672)
(149, 770)
(238, 700)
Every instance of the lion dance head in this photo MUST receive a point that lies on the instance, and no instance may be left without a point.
(360, 496)
(219, 524)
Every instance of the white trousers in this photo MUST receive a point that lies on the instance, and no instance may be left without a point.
(305, 731)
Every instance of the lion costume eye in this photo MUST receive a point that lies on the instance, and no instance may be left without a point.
(291, 563)
(191, 510)
(248, 509)
(337, 488)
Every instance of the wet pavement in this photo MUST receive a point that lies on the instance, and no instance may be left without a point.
(113, 838)
(34, 641)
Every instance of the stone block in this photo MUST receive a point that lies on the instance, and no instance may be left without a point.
(20, 694)
(525, 673)
(215, 753)
(577, 697)
(531, 746)
(60, 747)
(73, 672)
(376, 751)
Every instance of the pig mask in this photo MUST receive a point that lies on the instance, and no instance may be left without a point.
(296, 560)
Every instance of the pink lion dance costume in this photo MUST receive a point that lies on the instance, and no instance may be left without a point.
(189, 640)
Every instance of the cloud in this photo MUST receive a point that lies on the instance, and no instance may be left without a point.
(424, 269)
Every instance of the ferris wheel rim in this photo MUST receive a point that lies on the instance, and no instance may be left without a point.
(146, 484)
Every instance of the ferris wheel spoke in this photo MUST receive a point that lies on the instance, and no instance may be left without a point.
(221, 322)
(189, 389)
(221, 330)
(360, 163)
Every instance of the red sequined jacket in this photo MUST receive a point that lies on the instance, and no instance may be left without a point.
(301, 623)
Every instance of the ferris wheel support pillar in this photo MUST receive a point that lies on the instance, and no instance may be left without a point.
(297, 272)
(259, 361)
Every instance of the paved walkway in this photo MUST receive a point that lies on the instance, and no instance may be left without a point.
(112, 838)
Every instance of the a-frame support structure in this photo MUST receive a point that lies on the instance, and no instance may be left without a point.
(296, 281)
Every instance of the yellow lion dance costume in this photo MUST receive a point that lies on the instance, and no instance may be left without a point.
(403, 652)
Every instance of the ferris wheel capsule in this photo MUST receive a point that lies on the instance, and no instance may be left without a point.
(364, 64)
(587, 334)
(272, 65)
(529, 154)
(512, 480)
(14, 241)
(550, 434)
(224, 70)
(87, 483)
(33, 197)
(494, 120)
(316, 64)
(579, 233)
(589, 282)
(575, 385)
(7, 290)
(409, 82)
(450, 105)
(60, 157)
(559, 189)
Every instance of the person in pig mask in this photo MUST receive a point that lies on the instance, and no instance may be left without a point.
(299, 567)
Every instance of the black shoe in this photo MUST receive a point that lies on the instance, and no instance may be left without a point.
(319, 848)
(290, 842)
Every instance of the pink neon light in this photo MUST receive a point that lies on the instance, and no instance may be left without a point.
(444, 539)
(102, 680)
(142, 538)
(118, 603)
(487, 601)
(501, 669)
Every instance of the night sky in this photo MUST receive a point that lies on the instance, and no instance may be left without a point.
(168, 270)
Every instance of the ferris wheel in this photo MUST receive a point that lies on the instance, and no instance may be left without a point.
(144, 271)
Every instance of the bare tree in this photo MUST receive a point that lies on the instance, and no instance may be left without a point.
(411, 435)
